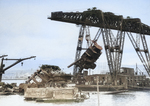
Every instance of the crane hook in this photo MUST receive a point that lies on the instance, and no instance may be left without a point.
(21, 63)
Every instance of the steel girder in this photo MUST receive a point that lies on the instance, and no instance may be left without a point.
(114, 50)
(144, 59)
(95, 18)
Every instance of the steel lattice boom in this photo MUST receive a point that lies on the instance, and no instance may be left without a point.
(96, 18)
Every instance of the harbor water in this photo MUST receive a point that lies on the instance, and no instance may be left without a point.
(131, 98)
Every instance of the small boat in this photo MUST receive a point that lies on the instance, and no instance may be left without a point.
(117, 92)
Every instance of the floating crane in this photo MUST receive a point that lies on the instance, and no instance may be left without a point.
(106, 22)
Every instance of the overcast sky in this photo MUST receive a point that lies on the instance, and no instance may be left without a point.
(25, 30)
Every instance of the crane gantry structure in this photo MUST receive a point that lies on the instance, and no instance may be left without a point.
(3, 68)
(106, 22)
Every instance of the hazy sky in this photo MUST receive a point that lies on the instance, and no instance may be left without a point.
(25, 30)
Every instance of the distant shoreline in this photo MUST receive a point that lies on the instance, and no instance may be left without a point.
(14, 79)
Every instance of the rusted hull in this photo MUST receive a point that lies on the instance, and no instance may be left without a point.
(51, 93)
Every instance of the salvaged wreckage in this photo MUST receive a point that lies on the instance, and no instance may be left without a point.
(50, 84)
(47, 76)
(8, 89)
